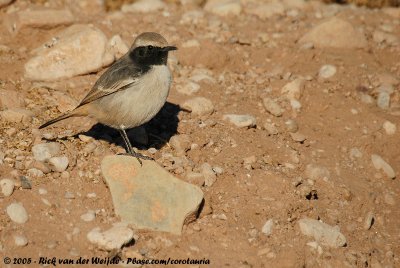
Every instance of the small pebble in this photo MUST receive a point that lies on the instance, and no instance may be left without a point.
(20, 240)
(189, 88)
(327, 71)
(291, 126)
(379, 163)
(17, 213)
(383, 100)
(369, 221)
(199, 106)
(389, 128)
(88, 216)
(267, 228)
(25, 182)
(91, 195)
(271, 128)
(241, 120)
(69, 195)
(7, 186)
(272, 107)
(59, 163)
(298, 137)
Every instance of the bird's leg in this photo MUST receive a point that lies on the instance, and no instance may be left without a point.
(130, 150)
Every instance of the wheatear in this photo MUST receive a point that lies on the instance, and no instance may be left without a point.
(132, 91)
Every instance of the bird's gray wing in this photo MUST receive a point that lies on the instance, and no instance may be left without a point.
(121, 75)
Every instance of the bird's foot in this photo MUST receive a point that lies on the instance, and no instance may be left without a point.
(138, 156)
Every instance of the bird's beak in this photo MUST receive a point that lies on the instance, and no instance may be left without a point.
(169, 48)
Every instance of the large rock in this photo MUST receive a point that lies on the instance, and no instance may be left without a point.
(4, 3)
(40, 18)
(335, 33)
(80, 49)
(148, 196)
(322, 232)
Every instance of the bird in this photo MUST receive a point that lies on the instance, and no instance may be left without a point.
(131, 91)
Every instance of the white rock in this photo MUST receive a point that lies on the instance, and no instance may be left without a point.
(272, 107)
(293, 89)
(20, 240)
(88, 216)
(271, 128)
(389, 128)
(112, 239)
(224, 7)
(38, 18)
(7, 186)
(355, 153)
(267, 228)
(117, 46)
(191, 43)
(202, 77)
(315, 172)
(208, 173)
(42, 191)
(144, 6)
(80, 49)
(291, 125)
(199, 106)
(327, 71)
(335, 33)
(379, 163)
(34, 172)
(266, 10)
(383, 100)
(295, 104)
(44, 151)
(189, 88)
(241, 120)
(17, 213)
(59, 163)
(322, 232)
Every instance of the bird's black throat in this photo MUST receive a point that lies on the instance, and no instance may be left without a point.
(149, 55)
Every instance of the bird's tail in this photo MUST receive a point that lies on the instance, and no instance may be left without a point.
(79, 111)
(52, 121)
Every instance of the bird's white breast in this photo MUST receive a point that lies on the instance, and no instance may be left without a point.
(138, 104)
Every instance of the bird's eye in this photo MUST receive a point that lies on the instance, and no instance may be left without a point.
(150, 47)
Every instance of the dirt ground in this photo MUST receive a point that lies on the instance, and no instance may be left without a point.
(263, 176)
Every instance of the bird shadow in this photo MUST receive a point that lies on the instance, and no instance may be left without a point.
(155, 133)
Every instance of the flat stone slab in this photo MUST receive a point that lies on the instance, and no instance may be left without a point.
(148, 196)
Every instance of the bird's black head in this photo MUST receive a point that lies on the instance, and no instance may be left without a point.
(151, 55)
